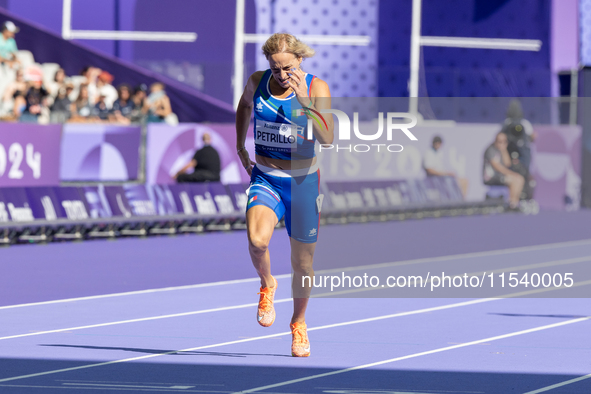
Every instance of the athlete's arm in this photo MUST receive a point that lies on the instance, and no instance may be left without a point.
(321, 100)
(323, 125)
(243, 114)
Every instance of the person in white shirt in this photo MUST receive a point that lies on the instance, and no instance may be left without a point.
(434, 164)
(104, 88)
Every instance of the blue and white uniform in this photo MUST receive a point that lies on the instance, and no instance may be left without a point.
(280, 134)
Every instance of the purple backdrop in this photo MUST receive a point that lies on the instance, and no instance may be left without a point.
(29, 154)
(100, 152)
(169, 148)
(557, 165)
(556, 160)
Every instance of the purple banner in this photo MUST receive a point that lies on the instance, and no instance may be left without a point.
(169, 148)
(28, 154)
(117, 200)
(556, 162)
(14, 205)
(392, 194)
(556, 166)
(139, 200)
(73, 203)
(163, 199)
(96, 201)
(45, 203)
(95, 152)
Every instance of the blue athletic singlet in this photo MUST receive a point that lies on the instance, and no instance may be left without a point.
(278, 132)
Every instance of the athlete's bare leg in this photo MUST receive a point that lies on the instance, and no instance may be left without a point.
(302, 257)
(260, 223)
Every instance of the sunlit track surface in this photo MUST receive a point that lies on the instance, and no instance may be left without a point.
(204, 337)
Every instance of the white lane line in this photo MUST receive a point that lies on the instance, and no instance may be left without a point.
(227, 308)
(392, 360)
(127, 386)
(373, 266)
(557, 385)
(200, 285)
(415, 312)
(358, 321)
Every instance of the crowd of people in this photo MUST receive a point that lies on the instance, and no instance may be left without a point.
(90, 97)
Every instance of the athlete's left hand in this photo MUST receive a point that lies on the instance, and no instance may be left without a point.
(297, 81)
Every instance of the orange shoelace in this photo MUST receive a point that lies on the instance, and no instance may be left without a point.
(299, 334)
(265, 301)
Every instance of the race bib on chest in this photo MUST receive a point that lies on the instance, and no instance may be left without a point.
(276, 136)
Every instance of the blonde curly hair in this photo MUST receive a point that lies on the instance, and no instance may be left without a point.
(286, 43)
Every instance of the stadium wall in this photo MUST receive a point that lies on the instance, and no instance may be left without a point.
(188, 103)
(458, 72)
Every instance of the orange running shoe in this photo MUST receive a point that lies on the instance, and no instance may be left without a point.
(266, 310)
(300, 345)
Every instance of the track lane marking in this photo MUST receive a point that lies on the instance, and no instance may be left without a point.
(557, 385)
(429, 352)
(234, 307)
(342, 324)
(358, 321)
(373, 266)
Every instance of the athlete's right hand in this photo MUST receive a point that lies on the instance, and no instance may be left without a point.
(246, 162)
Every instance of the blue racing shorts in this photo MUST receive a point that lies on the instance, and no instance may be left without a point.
(291, 194)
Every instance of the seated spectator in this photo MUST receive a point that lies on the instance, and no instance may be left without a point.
(206, 164)
(433, 163)
(139, 99)
(61, 107)
(16, 88)
(123, 106)
(496, 169)
(81, 109)
(100, 109)
(157, 105)
(8, 46)
(91, 74)
(105, 89)
(59, 81)
(35, 100)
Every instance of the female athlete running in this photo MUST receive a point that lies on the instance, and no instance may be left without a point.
(285, 177)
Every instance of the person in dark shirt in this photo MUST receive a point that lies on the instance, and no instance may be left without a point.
(206, 163)
(497, 169)
(123, 106)
(100, 109)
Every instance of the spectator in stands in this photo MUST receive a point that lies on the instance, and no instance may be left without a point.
(35, 100)
(206, 164)
(62, 106)
(100, 110)
(123, 106)
(434, 164)
(8, 46)
(91, 74)
(104, 88)
(157, 104)
(82, 108)
(139, 99)
(496, 169)
(59, 81)
(16, 88)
